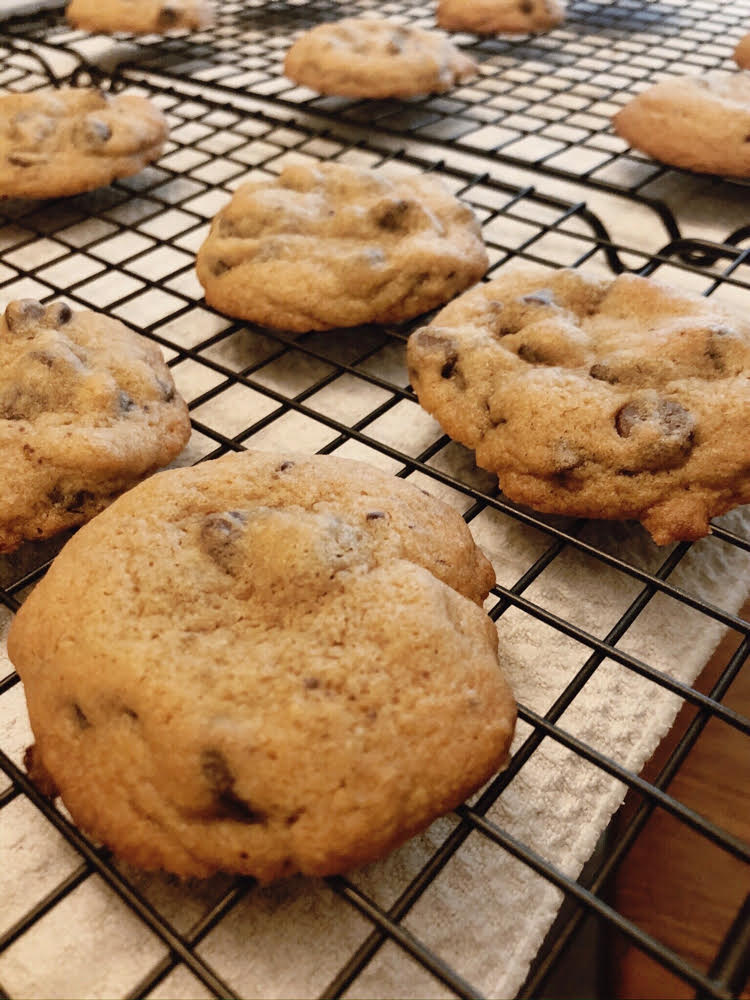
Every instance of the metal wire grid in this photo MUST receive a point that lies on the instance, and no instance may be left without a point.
(542, 102)
(144, 231)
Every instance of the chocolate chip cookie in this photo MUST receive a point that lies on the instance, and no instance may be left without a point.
(140, 17)
(299, 673)
(358, 57)
(611, 399)
(489, 17)
(701, 123)
(87, 409)
(61, 142)
(332, 245)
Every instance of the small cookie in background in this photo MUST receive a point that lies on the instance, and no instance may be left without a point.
(357, 57)
(491, 17)
(87, 409)
(334, 246)
(264, 664)
(140, 17)
(620, 399)
(700, 123)
(742, 52)
(55, 143)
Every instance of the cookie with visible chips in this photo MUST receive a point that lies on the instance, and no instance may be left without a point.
(609, 399)
(701, 123)
(55, 143)
(87, 409)
(490, 17)
(333, 246)
(299, 673)
(140, 17)
(363, 57)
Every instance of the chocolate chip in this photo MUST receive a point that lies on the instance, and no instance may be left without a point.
(431, 338)
(219, 267)
(714, 355)
(542, 297)
(603, 373)
(531, 355)
(22, 313)
(567, 457)
(393, 216)
(716, 348)
(97, 132)
(80, 716)
(500, 324)
(219, 535)
(78, 501)
(396, 43)
(627, 417)
(375, 515)
(373, 256)
(286, 465)
(296, 815)
(58, 314)
(167, 390)
(45, 358)
(74, 503)
(311, 683)
(125, 402)
(633, 415)
(663, 428)
(221, 781)
(526, 6)
(449, 368)
(168, 17)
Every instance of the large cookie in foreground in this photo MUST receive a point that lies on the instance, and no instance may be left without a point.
(87, 409)
(611, 399)
(55, 143)
(490, 17)
(140, 16)
(331, 245)
(701, 123)
(364, 57)
(264, 664)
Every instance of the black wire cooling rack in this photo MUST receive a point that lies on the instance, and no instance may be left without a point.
(529, 146)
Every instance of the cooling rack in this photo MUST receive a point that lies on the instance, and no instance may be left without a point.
(604, 633)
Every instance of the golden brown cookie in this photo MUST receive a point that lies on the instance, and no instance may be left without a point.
(701, 123)
(359, 57)
(87, 409)
(742, 52)
(264, 664)
(332, 245)
(140, 17)
(611, 399)
(490, 17)
(61, 142)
